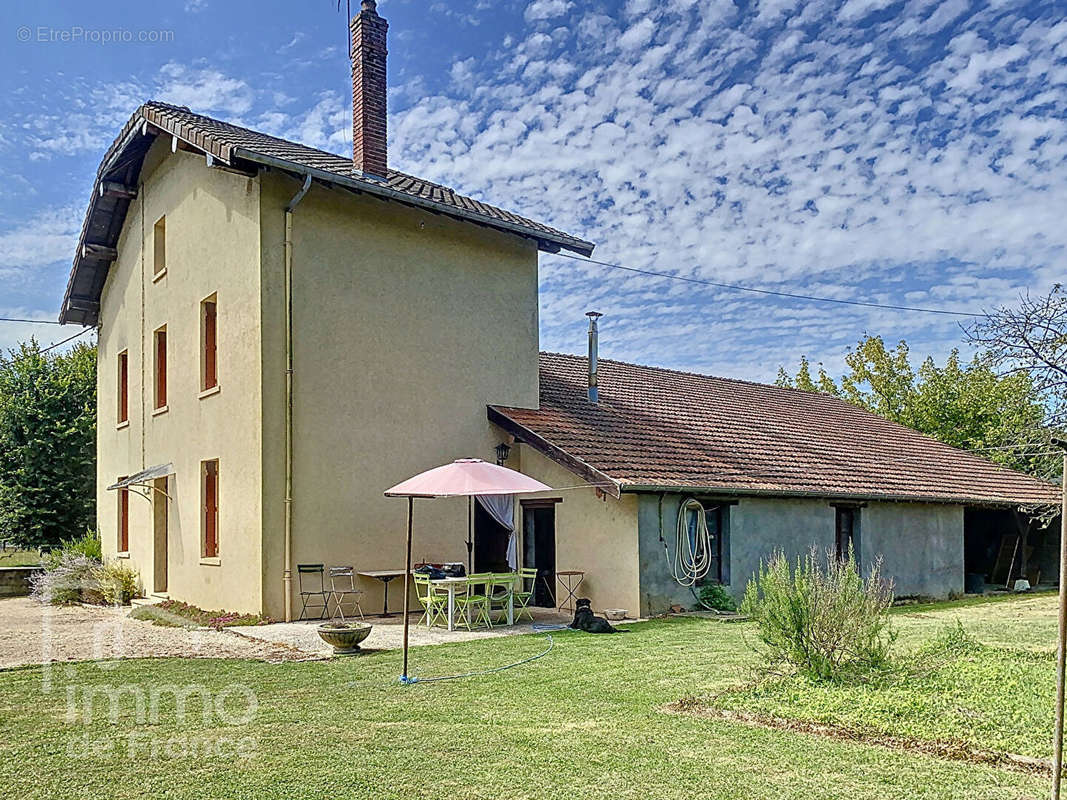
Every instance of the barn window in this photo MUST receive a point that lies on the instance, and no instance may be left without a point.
(714, 517)
(845, 527)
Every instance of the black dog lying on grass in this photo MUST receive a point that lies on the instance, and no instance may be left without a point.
(586, 620)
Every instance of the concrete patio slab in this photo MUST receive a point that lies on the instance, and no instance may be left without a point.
(388, 632)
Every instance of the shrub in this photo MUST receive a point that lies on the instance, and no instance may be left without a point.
(88, 544)
(117, 584)
(67, 578)
(73, 574)
(712, 595)
(823, 618)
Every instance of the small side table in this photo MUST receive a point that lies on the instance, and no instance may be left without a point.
(384, 575)
(569, 581)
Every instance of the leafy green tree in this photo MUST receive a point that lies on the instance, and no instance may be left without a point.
(803, 380)
(879, 379)
(966, 405)
(47, 444)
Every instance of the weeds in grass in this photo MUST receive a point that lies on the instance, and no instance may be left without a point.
(713, 595)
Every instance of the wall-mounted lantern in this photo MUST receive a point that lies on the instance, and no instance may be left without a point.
(503, 450)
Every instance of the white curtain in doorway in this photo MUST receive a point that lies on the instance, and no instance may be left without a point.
(501, 507)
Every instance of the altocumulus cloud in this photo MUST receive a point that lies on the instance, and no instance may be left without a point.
(889, 151)
(901, 151)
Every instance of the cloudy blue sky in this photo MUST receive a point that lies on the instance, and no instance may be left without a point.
(906, 152)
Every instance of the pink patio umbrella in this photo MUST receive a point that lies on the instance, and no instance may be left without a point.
(462, 478)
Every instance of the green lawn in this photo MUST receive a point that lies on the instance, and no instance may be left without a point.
(586, 721)
(19, 558)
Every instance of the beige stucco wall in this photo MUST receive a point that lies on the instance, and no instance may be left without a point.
(406, 325)
(213, 246)
(594, 534)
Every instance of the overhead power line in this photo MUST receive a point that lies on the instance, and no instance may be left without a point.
(69, 338)
(32, 321)
(773, 292)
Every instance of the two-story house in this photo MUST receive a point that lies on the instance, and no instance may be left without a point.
(285, 332)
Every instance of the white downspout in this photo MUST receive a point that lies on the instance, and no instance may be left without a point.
(287, 573)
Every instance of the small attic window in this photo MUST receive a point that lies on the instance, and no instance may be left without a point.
(159, 246)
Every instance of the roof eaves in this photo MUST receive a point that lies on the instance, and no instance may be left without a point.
(136, 125)
(148, 120)
(888, 497)
(569, 462)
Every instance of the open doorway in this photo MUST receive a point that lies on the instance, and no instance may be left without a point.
(490, 542)
(539, 548)
(160, 544)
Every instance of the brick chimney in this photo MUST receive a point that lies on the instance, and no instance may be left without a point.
(368, 90)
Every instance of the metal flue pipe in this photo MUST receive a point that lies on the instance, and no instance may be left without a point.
(594, 394)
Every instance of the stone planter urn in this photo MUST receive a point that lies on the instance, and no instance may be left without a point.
(344, 637)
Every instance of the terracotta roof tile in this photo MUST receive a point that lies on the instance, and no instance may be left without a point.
(230, 143)
(662, 428)
(192, 126)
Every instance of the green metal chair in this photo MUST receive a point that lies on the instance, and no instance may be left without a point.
(524, 597)
(434, 601)
(472, 605)
(499, 591)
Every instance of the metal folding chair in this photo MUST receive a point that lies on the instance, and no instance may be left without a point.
(310, 576)
(524, 597)
(434, 600)
(343, 590)
(499, 593)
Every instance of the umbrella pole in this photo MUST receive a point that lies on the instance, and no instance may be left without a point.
(470, 535)
(407, 590)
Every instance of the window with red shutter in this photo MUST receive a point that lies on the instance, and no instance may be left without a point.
(211, 509)
(209, 358)
(159, 247)
(124, 387)
(124, 520)
(161, 368)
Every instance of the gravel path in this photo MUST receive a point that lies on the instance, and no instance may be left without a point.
(34, 634)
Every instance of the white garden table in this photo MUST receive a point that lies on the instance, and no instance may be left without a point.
(451, 584)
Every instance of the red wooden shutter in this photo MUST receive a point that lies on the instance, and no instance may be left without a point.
(161, 369)
(124, 387)
(211, 509)
(124, 520)
(210, 368)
